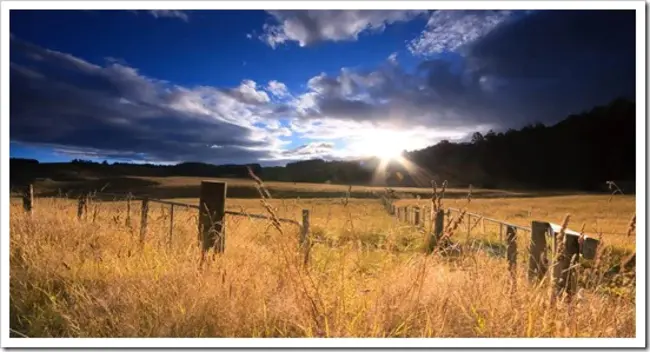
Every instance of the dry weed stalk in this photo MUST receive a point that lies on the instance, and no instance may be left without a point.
(631, 227)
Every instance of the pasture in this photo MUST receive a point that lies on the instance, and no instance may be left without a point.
(367, 275)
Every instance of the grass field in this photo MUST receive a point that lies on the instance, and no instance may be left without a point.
(367, 276)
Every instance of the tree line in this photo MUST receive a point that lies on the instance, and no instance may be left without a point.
(582, 152)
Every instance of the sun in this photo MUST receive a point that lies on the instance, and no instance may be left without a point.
(379, 145)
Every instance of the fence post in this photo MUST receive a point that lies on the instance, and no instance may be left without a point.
(537, 261)
(128, 209)
(512, 256)
(304, 235)
(81, 205)
(501, 232)
(563, 272)
(28, 198)
(143, 219)
(439, 224)
(416, 215)
(212, 207)
(171, 224)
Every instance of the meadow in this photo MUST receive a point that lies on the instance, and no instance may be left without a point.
(367, 276)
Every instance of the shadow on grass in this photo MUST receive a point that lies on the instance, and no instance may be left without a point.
(143, 187)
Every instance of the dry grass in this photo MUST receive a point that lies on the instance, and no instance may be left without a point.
(367, 277)
(599, 213)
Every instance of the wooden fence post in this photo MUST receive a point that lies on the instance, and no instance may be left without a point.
(416, 215)
(212, 207)
(537, 264)
(81, 205)
(563, 272)
(28, 198)
(512, 256)
(143, 219)
(304, 235)
(501, 232)
(439, 224)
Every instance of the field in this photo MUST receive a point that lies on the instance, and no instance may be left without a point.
(367, 275)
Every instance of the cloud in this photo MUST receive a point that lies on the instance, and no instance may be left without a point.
(278, 89)
(60, 100)
(537, 68)
(309, 151)
(170, 14)
(307, 27)
(449, 30)
(553, 63)
(247, 92)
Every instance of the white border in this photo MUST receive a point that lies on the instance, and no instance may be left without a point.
(639, 341)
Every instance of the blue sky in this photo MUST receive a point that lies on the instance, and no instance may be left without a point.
(272, 87)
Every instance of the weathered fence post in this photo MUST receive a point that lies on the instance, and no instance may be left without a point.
(171, 224)
(439, 224)
(304, 235)
(28, 198)
(81, 205)
(512, 256)
(500, 232)
(416, 215)
(143, 219)
(212, 207)
(563, 272)
(537, 261)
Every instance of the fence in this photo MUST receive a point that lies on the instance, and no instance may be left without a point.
(552, 250)
(211, 214)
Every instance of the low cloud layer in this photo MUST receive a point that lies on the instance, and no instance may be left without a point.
(58, 99)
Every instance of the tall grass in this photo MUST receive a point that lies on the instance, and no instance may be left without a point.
(368, 277)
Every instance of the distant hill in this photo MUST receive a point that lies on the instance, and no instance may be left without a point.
(579, 153)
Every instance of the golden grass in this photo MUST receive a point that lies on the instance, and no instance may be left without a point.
(310, 188)
(367, 278)
(606, 214)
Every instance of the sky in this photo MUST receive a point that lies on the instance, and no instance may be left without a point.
(273, 87)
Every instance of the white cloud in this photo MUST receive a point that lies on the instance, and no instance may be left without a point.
(310, 26)
(449, 30)
(278, 89)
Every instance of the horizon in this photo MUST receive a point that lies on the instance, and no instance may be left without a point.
(300, 85)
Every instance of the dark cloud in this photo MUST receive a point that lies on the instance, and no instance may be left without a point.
(535, 68)
(553, 63)
(57, 99)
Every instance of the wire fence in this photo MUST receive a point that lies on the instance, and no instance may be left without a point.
(88, 208)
